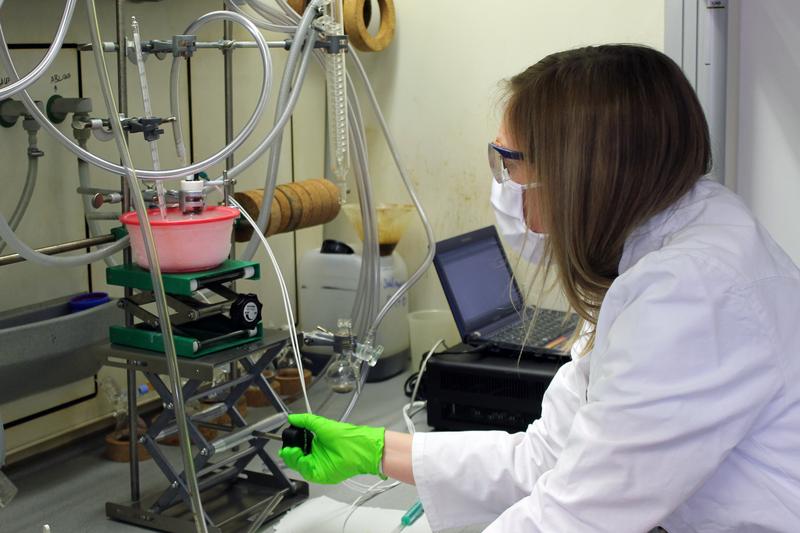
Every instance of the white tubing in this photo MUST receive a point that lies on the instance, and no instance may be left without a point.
(175, 173)
(31, 77)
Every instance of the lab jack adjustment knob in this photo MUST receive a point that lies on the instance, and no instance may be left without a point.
(246, 310)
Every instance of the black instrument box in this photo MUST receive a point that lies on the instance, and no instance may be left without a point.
(487, 392)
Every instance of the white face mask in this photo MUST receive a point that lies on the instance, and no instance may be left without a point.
(506, 200)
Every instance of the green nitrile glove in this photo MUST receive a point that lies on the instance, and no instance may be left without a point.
(338, 451)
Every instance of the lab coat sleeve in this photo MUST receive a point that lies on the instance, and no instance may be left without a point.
(677, 379)
(472, 476)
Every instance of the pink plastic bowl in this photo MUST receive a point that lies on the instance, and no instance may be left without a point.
(185, 243)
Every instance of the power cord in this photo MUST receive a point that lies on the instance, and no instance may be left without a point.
(411, 381)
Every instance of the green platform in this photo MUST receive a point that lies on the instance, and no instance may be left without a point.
(189, 338)
(182, 284)
(138, 337)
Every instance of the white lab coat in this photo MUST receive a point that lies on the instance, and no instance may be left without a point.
(686, 413)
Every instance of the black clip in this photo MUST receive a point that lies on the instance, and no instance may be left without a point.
(147, 126)
(333, 44)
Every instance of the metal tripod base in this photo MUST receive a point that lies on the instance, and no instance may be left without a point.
(231, 506)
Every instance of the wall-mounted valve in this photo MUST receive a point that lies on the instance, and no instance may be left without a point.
(11, 110)
(59, 107)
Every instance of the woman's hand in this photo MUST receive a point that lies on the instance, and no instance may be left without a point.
(338, 451)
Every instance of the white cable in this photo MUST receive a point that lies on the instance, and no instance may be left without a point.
(422, 369)
(287, 304)
(406, 417)
(411, 403)
(371, 492)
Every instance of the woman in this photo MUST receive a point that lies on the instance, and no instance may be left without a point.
(680, 405)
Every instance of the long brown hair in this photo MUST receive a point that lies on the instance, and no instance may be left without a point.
(614, 134)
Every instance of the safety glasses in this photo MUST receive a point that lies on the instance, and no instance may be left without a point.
(497, 163)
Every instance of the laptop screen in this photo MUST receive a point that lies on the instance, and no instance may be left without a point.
(476, 279)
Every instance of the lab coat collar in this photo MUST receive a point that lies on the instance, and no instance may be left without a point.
(653, 234)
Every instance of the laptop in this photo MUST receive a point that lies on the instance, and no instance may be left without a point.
(486, 301)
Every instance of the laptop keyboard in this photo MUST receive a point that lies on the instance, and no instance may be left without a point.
(549, 326)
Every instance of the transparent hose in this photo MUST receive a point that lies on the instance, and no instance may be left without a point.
(254, 155)
(155, 272)
(27, 190)
(270, 13)
(114, 168)
(30, 78)
(260, 22)
(287, 99)
(427, 261)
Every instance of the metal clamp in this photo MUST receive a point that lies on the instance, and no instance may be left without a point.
(184, 45)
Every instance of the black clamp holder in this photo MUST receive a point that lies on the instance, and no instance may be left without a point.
(332, 44)
(179, 46)
(147, 126)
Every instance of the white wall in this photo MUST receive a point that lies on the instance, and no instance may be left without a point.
(438, 84)
(768, 155)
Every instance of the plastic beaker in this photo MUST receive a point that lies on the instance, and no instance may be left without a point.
(425, 328)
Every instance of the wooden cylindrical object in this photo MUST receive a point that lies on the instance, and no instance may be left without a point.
(298, 205)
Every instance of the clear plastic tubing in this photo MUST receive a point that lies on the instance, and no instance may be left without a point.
(287, 99)
(31, 77)
(114, 168)
(335, 75)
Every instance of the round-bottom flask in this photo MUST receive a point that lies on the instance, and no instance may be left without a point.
(343, 374)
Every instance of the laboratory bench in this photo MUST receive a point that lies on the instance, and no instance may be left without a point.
(68, 488)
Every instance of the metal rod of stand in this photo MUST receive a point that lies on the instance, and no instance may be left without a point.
(227, 57)
(61, 248)
(133, 411)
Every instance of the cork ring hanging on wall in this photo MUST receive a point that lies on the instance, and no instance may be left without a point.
(357, 15)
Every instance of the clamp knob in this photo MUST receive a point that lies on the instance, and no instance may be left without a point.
(246, 310)
(295, 437)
